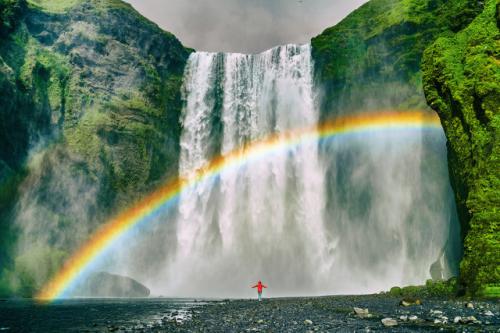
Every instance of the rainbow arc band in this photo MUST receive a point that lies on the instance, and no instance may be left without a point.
(111, 232)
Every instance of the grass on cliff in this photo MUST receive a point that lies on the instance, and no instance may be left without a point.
(441, 289)
(462, 83)
(31, 270)
(379, 46)
(54, 6)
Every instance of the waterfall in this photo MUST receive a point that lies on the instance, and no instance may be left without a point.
(350, 216)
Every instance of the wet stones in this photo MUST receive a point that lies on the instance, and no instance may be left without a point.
(413, 318)
(489, 313)
(404, 303)
(466, 320)
(362, 313)
(409, 302)
(469, 320)
(389, 322)
(325, 314)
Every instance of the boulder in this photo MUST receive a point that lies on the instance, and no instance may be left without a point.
(469, 319)
(362, 313)
(410, 301)
(103, 284)
(389, 322)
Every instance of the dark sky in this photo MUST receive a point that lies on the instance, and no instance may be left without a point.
(244, 25)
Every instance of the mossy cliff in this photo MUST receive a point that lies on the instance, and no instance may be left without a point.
(372, 60)
(91, 90)
(462, 83)
(90, 103)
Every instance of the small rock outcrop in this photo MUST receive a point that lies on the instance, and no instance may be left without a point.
(389, 322)
(362, 313)
(410, 301)
(103, 284)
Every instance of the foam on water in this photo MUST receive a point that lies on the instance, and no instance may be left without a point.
(340, 217)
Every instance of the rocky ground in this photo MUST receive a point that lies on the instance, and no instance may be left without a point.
(338, 314)
(318, 314)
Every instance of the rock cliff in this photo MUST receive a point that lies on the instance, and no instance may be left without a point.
(462, 83)
(90, 93)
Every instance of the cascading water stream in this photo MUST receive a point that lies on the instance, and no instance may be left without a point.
(355, 215)
(251, 222)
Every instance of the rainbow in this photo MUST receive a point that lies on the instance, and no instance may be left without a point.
(116, 228)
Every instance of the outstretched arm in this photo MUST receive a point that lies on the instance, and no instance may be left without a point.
(254, 286)
(264, 286)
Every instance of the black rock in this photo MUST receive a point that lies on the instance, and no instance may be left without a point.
(104, 284)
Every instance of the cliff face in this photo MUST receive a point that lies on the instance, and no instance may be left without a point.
(90, 101)
(371, 60)
(462, 83)
(90, 106)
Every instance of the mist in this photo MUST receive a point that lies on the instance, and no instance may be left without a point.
(57, 210)
(346, 216)
(244, 26)
(351, 215)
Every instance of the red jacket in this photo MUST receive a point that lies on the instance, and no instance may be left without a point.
(259, 286)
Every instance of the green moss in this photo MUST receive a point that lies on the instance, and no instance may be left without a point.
(33, 269)
(121, 134)
(461, 82)
(395, 291)
(10, 12)
(371, 59)
(5, 288)
(54, 6)
(431, 288)
(83, 138)
(45, 73)
(491, 291)
(412, 291)
(9, 194)
(441, 288)
(135, 101)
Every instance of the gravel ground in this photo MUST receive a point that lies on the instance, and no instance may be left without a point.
(336, 314)
(314, 314)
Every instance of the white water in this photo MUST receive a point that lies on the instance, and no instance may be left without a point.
(356, 215)
(252, 222)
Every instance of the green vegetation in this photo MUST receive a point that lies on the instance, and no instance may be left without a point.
(462, 83)
(371, 59)
(96, 88)
(10, 12)
(102, 84)
(32, 82)
(58, 6)
(430, 289)
(32, 269)
(491, 291)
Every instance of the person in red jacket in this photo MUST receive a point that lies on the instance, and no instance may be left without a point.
(259, 287)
